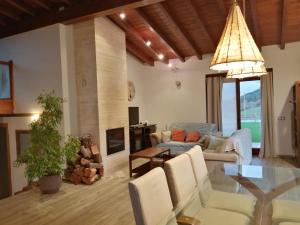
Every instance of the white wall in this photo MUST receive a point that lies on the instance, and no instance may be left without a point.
(135, 74)
(164, 103)
(37, 67)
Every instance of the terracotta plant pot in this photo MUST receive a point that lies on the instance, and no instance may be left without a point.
(50, 184)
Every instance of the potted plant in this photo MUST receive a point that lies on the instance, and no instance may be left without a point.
(46, 155)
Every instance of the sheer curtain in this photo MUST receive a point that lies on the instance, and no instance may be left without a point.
(214, 86)
(267, 104)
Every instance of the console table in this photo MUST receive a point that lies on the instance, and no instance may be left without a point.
(140, 136)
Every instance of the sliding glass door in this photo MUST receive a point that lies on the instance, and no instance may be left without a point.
(241, 107)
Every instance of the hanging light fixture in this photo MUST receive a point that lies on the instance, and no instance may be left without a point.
(241, 73)
(236, 48)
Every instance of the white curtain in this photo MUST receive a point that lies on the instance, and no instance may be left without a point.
(267, 104)
(214, 86)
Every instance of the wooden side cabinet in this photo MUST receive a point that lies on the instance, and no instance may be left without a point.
(140, 136)
(296, 102)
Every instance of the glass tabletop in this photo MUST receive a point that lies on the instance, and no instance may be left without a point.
(275, 191)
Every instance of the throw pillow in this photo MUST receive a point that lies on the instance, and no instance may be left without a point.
(166, 136)
(178, 135)
(216, 143)
(193, 136)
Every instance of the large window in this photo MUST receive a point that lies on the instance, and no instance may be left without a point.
(241, 107)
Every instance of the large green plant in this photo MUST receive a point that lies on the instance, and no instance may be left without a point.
(46, 154)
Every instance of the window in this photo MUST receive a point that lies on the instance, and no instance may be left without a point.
(6, 88)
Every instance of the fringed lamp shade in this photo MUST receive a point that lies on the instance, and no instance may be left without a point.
(246, 72)
(236, 48)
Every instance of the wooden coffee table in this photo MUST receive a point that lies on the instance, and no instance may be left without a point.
(148, 153)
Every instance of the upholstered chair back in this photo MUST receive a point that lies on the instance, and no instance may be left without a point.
(200, 172)
(182, 184)
(150, 199)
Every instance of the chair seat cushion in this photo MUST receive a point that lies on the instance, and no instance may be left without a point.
(211, 216)
(231, 201)
(286, 211)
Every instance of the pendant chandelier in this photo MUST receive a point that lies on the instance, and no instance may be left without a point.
(236, 48)
(241, 73)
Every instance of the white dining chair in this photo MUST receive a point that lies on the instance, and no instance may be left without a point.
(182, 185)
(235, 202)
(150, 199)
(286, 211)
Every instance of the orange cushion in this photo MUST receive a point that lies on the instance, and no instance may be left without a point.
(193, 136)
(178, 135)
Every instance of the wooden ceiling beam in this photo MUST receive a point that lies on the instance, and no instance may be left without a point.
(135, 51)
(283, 17)
(133, 34)
(20, 7)
(200, 22)
(67, 2)
(76, 12)
(2, 23)
(160, 33)
(8, 14)
(42, 4)
(256, 28)
(180, 29)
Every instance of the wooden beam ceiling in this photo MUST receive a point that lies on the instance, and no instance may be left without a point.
(8, 14)
(254, 18)
(80, 11)
(200, 22)
(222, 8)
(283, 18)
(180, 29)
(42, 4)
(20, 7)
(130, 31)
(135, 51)
(157, 30)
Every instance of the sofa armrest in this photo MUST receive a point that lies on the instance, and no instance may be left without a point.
(226, 157)
(155, 138)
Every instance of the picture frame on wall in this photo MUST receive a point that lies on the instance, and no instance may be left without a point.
(22, 141)
(6, 87)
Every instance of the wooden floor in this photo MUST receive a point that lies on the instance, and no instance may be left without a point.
(104, 203)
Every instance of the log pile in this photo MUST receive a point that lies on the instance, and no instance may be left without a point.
(87, 167)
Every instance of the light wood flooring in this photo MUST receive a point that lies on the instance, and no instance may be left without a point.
(106, 202)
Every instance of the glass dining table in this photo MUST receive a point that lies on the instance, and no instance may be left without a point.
(265, 184)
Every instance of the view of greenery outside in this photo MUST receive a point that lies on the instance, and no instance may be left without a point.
(251, 110)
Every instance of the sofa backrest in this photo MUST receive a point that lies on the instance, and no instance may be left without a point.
(203, 128)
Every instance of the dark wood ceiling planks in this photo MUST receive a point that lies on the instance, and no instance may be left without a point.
(176, 28)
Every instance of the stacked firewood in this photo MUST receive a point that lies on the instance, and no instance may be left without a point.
(88, 167)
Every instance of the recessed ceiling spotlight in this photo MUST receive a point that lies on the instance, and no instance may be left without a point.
(148, 43)
(170, 65)
(161, 56)
(122, 16)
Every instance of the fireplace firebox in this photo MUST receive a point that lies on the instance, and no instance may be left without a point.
(115, 140)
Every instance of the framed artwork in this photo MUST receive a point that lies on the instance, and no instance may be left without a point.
(22, 139)
(6, 87)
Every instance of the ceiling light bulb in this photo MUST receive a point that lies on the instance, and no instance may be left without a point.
(148, 43)
(122, 16)
(161, 56)
(170, 65)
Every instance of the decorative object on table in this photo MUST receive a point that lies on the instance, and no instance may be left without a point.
(131, 91)
(6, 87)
(87, 167)
(236, 48)
(45, 157)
